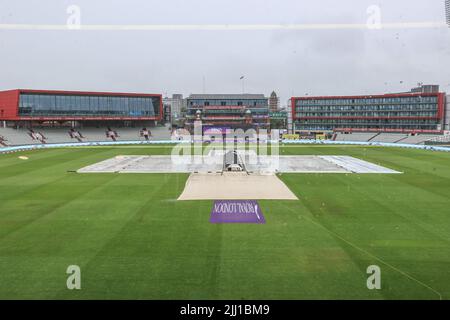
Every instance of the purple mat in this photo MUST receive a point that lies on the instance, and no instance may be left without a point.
(236, 211)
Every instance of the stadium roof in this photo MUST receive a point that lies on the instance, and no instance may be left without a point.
(227, 96)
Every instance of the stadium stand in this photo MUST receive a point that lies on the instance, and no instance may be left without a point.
(355, 136)
(418, 139)
(15, 137)
(61, 135)
(389, 137)
(440, 139)
(386, 137)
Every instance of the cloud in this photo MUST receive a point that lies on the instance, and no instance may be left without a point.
(318, 62)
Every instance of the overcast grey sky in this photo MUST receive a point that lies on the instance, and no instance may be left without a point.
(291, 62)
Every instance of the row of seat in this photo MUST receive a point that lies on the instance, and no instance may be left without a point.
(385, 137)
(10, 136)
(357, 136)
(13, 137)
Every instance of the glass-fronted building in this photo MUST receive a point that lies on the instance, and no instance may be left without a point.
(60, 106)
(228, 110)
(406, 112)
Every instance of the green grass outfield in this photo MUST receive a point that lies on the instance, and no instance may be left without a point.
(133, 240)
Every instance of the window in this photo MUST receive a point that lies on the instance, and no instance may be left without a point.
(64, 105)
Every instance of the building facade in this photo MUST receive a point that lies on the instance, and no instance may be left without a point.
(405, 112)
(447, 114)
(228, 111)
(273, 102)
(426, 88)
(167, 113)
(176, 103)
(25, 107)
